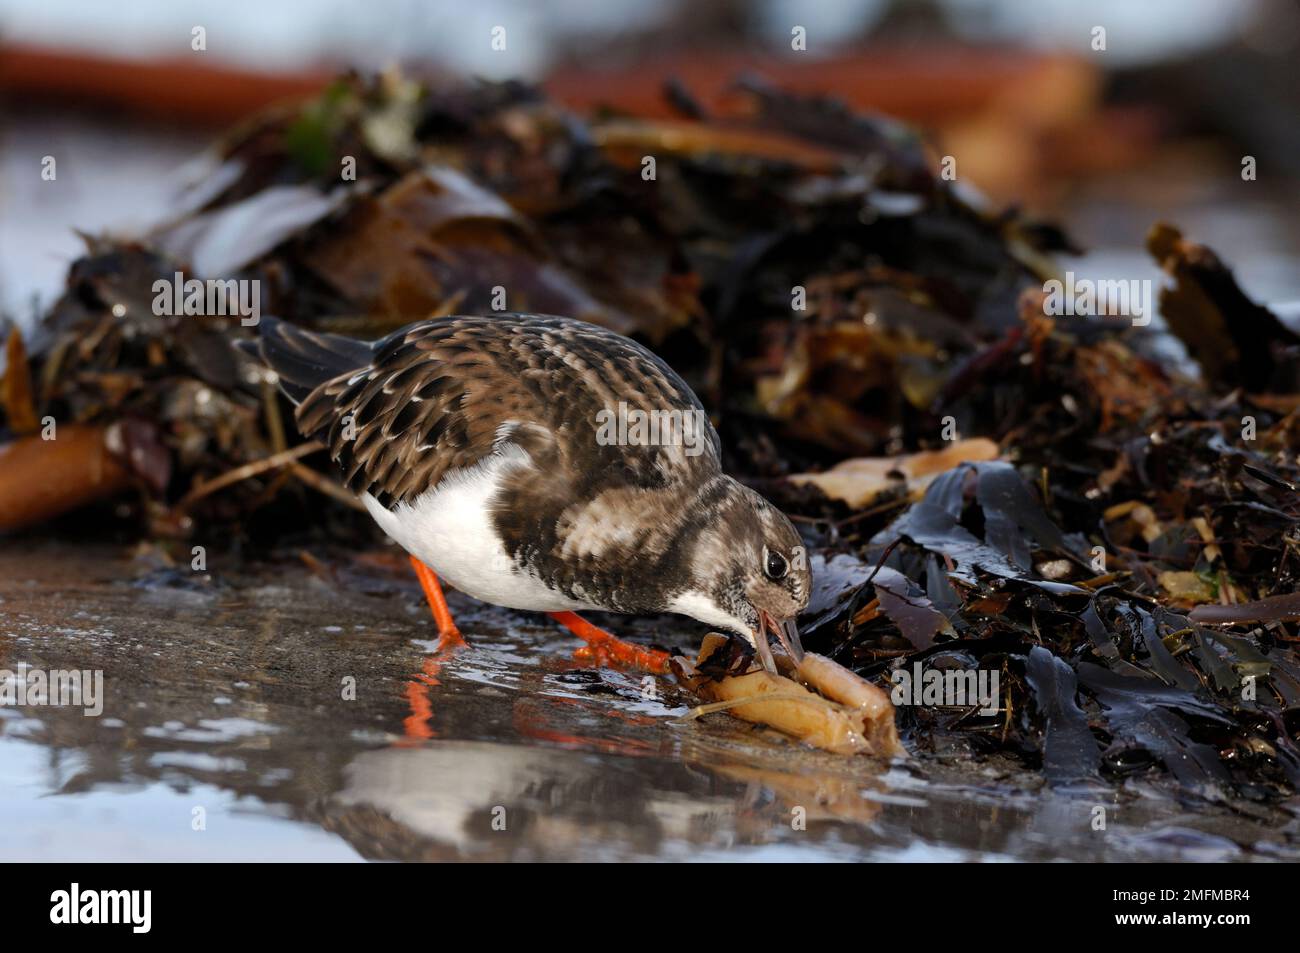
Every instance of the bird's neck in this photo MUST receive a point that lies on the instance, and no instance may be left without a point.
(709, 549)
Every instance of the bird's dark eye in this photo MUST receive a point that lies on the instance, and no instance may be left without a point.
(776, 566)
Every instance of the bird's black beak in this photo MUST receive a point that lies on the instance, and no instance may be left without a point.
(787, 633)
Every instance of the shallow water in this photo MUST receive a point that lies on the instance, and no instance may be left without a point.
(226, 733)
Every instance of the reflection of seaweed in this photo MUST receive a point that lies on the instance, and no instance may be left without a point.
(829, 296)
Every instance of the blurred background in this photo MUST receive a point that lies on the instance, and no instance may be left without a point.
(1155, 125)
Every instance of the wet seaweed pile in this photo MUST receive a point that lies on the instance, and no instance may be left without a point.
(983, 487)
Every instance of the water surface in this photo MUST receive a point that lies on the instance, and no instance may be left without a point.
(273, 711)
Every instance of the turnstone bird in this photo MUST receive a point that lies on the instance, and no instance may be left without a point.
(497, 452)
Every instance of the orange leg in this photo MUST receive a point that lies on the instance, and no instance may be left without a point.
(606, 649)
(449, 635)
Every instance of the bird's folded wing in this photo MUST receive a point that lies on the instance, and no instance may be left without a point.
(442, 395)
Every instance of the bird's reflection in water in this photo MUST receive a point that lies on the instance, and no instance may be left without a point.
(587, 777)
(483, 800)
(418, 725)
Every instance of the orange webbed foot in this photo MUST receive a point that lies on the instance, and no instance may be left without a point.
(609, 650)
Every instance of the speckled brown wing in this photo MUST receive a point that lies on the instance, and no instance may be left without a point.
(439, 395)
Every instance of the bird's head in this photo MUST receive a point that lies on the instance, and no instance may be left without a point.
(749, 570)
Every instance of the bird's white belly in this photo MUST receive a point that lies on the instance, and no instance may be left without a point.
(449, 529)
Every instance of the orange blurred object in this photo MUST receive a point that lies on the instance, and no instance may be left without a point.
(40, 479)
(191, 90)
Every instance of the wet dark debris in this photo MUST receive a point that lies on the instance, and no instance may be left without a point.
(1127, 565)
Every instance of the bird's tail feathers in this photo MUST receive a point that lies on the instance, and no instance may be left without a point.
(303, 359)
